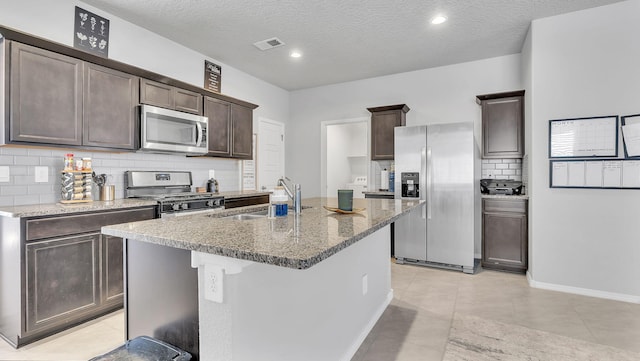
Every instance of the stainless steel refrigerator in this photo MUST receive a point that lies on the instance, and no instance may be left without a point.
(439, 164)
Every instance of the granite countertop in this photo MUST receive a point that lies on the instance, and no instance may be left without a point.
(294, 241)
(53, 209)
(502, 196)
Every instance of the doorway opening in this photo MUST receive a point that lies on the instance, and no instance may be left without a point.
(345, 156)
(270, 153)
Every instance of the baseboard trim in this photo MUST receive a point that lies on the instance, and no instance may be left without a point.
(365, 332)
(582, 291)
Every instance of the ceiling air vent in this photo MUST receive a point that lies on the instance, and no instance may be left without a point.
(268, 44)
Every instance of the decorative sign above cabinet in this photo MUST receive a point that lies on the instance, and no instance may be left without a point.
(212, 76)
(91, 33)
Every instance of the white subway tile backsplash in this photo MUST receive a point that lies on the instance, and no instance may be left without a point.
(13, 190)
(26, 199)
(501, 168)
(39, 152)
(6, 200)
(24, 190)
(6, 159)
(26, 160)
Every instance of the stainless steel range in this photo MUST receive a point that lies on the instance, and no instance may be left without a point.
(172, 190)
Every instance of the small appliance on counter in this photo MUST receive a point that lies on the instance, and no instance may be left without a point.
(212, 186)
(500, 186)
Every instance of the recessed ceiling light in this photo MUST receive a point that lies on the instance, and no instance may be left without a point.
(295, 54)
(438, 20)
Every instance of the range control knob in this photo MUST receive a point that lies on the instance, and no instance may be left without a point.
(184, 206)
(175, 207)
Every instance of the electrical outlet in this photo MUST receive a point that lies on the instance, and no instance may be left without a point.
(212, 173)
(4, 174)
(42, 174)
(365, 284)
(213, 283)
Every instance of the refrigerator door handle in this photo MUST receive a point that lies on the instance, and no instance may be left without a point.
(429, 182)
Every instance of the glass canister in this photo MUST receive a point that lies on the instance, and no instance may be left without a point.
(68, 161)
(86, 164)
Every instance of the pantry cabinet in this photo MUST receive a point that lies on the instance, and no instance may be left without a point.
(230, 132)
(383, 121)
(170, 97)
(502, 125)
(504, 234)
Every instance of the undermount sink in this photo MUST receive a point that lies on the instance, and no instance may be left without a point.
(247, 216)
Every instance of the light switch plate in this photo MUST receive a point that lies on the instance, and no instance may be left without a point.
(212, 173)
(42, 174)
(4, 174)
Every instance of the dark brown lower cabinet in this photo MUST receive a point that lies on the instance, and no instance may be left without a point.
(246, 201)
(504, 234)
(112, 289)
(71, 273)
(62, 282)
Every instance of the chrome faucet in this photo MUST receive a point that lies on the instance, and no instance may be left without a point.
(296, 195)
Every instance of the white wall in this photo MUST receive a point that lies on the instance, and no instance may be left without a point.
(131, 44)
(584, 64)
(437, 95)
(346, 154)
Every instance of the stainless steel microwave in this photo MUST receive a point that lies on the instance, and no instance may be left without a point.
(169, 131)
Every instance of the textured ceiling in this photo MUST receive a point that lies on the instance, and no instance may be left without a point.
(342, 40)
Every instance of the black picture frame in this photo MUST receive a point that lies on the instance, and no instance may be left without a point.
(212, 76)
(623, 122)
(559, 142)
(624, 163)
(91, 33)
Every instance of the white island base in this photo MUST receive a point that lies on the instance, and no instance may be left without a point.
(261, 312)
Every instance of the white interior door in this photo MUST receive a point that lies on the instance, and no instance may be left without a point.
(270, 153)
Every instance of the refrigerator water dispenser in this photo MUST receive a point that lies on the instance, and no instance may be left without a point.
(410, 184)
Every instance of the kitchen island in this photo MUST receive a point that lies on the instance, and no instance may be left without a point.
(307, 287)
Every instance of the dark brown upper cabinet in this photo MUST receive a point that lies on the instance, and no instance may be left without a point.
(57, 95)
(60, 100)
(109, 115)
(170, 97)
(383, 120)
(242, 132)
(230, 133)
(502, 124)
(45, 96)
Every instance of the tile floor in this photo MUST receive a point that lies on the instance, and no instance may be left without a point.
(416, 325)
